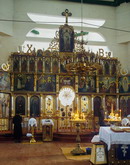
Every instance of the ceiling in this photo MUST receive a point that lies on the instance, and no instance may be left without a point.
(113, 3)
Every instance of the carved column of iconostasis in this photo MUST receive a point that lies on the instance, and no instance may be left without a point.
(12, 105)
(28, 105)
(35, 82)
(97, 84)
(28, 64)
(43, 64)
(12, 82)
(36, 64)
(117, 84)
(54, 105)
(76, 84)
(41, 105)
(57, 84)
(51, 64)
(117, 102)
(57, 102)
(110, 67)
(20, 63)
(77, 104)
(92, 103)
(59, 63)
(103, 102)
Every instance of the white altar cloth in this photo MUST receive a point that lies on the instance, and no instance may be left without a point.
(32, 122)
(47, 122)
(109, 137)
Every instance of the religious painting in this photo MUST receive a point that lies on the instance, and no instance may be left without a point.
(124, 105)
(84, 104)
(4, 105)
(124, 84)
(24, 82)
(16, 64)
(35, 106)
(4, 81)
(24, 64)
(32, 65)
(39, 52)
(87, 84)
(47, 65)
(97, 105)
(66, 34)
(49, 105)
(110, 104)
(67, 81)
(113, 69)
(55, 65)
(46, 83)
(107, 68)
(20, 105)
(40, 65)
(107, 84)
(62, 67)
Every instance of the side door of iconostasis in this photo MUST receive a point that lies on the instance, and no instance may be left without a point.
(5, 101)
(124, 99)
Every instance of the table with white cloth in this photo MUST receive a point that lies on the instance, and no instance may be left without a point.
(118, 145)
(47, 129)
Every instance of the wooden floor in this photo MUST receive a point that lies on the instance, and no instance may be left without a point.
(41, 153)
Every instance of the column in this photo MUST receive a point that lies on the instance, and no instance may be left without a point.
(12, 82)
(117, 86)
(51, 64)
(59, 66)
(28, 64)
(97, 84)
(92, 103)
(12, 106)
(41, 107)
(76, 84)
(19, 64)
(57, 102)
(36, 64)
(77, 104)
(57, 83)
(28, 105)
(35, 82)
(117, 103)
(43, 64)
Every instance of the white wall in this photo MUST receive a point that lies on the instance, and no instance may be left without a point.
(21, 7)
(123, 38)
(6, 13)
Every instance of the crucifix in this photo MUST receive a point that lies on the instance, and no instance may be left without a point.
(124, 149)
(67, 14)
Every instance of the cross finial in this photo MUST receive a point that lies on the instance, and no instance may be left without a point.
(66, 13)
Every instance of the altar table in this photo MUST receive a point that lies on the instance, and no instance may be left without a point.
(118, 145)
(109, 137)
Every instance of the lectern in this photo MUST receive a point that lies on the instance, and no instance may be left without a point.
(47, 129)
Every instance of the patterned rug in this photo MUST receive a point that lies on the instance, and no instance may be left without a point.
(68, 155)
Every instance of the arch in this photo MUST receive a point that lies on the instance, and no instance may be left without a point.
(35, 106)
(20, 105)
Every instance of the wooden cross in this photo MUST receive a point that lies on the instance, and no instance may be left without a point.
(67, 14)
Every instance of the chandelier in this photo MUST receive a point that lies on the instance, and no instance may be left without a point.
(83, 62)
